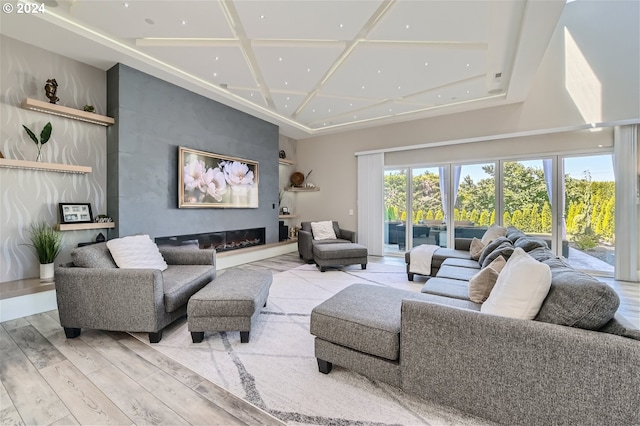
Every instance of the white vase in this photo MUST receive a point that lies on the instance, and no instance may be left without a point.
(46, 272)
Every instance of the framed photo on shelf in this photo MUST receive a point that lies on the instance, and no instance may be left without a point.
(75, 213)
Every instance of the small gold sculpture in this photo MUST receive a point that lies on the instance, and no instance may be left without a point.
(50, 89)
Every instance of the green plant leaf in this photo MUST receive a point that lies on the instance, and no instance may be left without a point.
(31, 134)
(46, 133)
(46, 242)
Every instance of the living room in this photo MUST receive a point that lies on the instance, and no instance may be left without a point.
(134, 162)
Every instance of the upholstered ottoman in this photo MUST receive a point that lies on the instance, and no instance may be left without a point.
(228, 303)
(326, 255)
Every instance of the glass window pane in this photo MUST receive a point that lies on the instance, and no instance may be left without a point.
(395, 210)
(475, 201)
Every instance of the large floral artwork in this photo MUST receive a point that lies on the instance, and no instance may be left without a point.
(213, 180)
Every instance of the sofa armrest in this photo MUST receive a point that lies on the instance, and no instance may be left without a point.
(517, 371)
(181, 256)
(305, 245)
(345, 234)
(110, 299)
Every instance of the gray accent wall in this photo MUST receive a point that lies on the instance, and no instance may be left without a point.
(154, 118)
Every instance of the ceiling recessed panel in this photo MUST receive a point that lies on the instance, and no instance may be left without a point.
(148, 18)
(295, 68)
(438, 21)
(287, 103)
(252, 95)
(322, 108)
(390, 73)
(454, 93)
(304, 20)
(219, 65)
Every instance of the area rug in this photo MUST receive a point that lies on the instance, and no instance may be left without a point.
(277, 370)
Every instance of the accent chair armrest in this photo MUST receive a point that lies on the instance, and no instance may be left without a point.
(110, 298)
(305, 245)
(181, 256)
(347, 235)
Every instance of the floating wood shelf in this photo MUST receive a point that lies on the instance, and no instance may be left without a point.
(301, 189)
(285, 162)
(82, 226)
(36, 165)
(63, 111)
(287, 216)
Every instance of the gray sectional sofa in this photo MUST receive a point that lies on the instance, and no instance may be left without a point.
(576, 363)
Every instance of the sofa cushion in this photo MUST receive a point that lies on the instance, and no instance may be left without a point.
(481, 284)
(93, 256)
(456, 273)
(530, 243)
(520, 289)
(323, 230)
(492, 233)
(621, 327)
(447, 287)
(541, 254)
(576, 299)
(180, 282)
(136, 252)
(476, 248)
(461, 263)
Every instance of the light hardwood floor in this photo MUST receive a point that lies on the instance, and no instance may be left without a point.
(112, 378)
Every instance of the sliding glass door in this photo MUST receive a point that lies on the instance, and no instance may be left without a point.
(395, 211)
(590, 212)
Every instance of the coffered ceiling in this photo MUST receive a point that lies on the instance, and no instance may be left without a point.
(312, 66)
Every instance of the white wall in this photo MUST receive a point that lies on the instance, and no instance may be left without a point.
(27, 195)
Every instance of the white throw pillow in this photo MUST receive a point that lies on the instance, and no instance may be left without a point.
(492, 233)
(323, 230)
(136, 252)
(520, 289)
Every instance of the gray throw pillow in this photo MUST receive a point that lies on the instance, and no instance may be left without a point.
(541, 254)
(529, 243)
(93, 256)
(576, 299)
(489, 248)
(505, 250)
(513, 234)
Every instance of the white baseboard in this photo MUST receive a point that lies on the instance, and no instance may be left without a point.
(29, 304)
(229, 260)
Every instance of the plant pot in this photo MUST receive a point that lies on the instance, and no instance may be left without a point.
(46, 272)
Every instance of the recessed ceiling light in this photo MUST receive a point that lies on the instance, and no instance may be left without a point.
(287, 97)
(439, 96)
(149, 21)
(341, 25)
(407, 26)
(390, 109)
(125, 5)
(313, 110)
(184, 22)
(261, 16)
(215, 74)
(217, 58)
(379, 71)
(468, 91)
(286, 106)
(308, 69)
(286, 83)
(468, 65)
(251, 94)
(363, 87)
(329, 110)
(399, 87)
(426, 64)
(280, 59)
(600, 146)
(350, 103)
(355, 116)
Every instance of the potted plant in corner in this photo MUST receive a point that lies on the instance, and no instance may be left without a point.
(46, 243)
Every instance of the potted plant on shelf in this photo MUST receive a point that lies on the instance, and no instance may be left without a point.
(46, 243)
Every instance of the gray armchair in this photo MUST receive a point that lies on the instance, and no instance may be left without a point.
(92, 292)
(306, 241)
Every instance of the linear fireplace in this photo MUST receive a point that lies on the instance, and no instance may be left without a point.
(221, 241)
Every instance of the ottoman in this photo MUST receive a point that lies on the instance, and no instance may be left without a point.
(228, 303)
(326, 255)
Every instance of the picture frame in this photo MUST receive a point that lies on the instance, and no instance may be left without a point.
(75, 213)
(208, 180)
